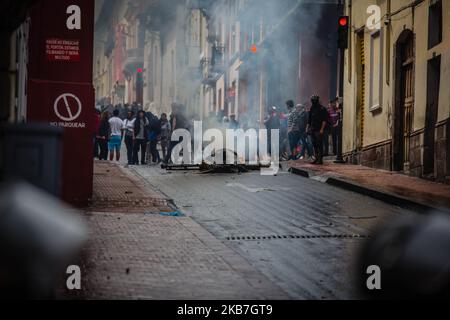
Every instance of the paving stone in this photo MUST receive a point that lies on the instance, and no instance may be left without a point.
(131, 255)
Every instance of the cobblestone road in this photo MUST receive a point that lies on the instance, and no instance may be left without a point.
(132, 255)
(303, 235)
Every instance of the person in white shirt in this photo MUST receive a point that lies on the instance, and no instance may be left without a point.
(115, 140)
(128, 127)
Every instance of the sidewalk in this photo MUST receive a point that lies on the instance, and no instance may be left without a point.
(395, 188)
(134, 252)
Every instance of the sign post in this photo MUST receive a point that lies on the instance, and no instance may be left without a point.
(60, 90)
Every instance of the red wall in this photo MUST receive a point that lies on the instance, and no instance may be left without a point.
(60, 66)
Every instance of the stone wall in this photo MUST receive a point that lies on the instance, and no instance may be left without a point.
(380, 156)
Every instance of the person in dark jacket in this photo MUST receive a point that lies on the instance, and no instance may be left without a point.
(166, 131)
(154, 131)
(302, 124)
(140, 138)
(317, 123)
(178, 121)
(103, 136)
(272, 122)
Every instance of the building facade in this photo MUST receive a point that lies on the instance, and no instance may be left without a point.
(217, 57)
(396, 105)
(259, 54)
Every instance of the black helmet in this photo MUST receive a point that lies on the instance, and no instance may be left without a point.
(315, 98)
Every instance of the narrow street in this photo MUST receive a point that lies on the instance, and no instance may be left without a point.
(302, 235)
(351, 107)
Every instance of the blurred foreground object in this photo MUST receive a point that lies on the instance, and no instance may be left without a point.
(38, 238)
(32, 152)
(413, 255)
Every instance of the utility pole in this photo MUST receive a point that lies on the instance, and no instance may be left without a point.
(343, 29)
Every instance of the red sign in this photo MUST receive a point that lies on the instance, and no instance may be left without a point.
(62, 50)
(66, 27)
(60, 90)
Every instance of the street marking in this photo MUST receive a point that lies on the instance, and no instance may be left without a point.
(255, 190)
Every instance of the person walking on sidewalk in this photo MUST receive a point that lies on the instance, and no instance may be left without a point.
(140, 138)
(317, 123)
(115, 140)
(128, 126)
(103, 136)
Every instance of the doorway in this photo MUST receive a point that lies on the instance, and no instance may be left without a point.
(433, 83)
(404, 100)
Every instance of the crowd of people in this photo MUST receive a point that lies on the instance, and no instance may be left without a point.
(305, 131)
(141, 131)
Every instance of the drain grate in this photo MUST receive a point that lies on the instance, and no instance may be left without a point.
(283, 237)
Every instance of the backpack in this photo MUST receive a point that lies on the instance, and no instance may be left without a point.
(302, 121)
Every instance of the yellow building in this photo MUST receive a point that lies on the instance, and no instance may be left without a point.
(396, 96)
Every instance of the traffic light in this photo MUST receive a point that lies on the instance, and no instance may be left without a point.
(343, 32)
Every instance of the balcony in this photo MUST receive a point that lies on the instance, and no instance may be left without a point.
(134, 59)
(217, 61)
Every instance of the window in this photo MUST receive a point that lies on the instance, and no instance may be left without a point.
(376, 71)
(435, 23)
(233, 39)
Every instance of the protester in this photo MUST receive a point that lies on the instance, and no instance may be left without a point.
(226, 121)
(284, 135)
(179, 121)
(317, 122)
(140, 138)
(115, 140)
(293, 129)
(128, 126)
(103, 136)
(327, 132)
(272, 122)
(123, 112)
(154, 131)
(233, 124)
(302, 125)
(334, 116)
(165, 134)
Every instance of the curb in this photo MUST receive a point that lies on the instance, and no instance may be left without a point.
(301, 172)
(373, 193)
